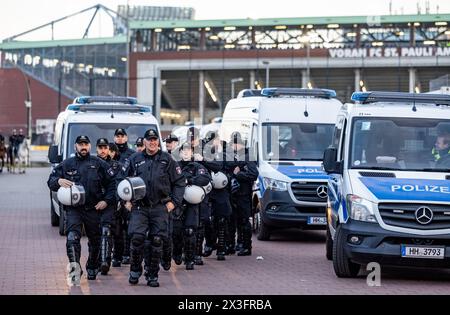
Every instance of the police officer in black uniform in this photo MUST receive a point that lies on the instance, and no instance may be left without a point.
(149, 216)
(95, 176)
(122, 216)
(185, 237)
(245, 173)
(139, 144)
(205, 158)
(107, 215)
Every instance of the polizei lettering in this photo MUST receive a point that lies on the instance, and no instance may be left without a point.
(309, 171)
(421, 188)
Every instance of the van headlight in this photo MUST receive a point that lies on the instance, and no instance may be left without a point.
(275, 185)
(360, 209)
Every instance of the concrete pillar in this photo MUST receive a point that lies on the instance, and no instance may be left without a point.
(201, 96)
(305, 79)
(252, 79)
(357, 79)
(412, 80)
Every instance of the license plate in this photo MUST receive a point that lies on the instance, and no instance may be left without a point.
(423, 252)
(317, 220)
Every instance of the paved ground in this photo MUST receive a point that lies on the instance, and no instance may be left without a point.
(33, 260)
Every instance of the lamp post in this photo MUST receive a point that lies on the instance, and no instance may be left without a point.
(233, 81)
(267, 63)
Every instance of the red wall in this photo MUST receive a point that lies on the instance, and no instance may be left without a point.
(13, 93)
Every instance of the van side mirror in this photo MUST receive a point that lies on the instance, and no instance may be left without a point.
(329, 161)
(53, 155)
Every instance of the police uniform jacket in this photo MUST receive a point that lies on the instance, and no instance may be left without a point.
(124, 152)
(248, 172)
(162, 176)
(94, 174)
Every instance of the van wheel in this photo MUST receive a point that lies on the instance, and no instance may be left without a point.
(343, 267)
(263, 231)
(62, 221)
(255, 220)
(329, 245)
(53, 216)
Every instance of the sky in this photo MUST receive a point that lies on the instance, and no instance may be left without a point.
(21, 15)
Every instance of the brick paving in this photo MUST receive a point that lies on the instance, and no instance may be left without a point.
(33, 260)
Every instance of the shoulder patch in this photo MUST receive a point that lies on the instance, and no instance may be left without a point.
(178, 169)
(201, 171)
(110, 171)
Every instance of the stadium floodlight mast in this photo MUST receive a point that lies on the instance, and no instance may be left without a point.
(233, 81)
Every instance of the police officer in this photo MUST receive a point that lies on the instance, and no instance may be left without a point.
(107, 215)
(166, 259)
(202, 156)
(94, 175)
(441, 150)
(114, 151)
(185, 238)
(245, 173)
(149, 216)
(171, 143)
(139, 144)
(122, 216)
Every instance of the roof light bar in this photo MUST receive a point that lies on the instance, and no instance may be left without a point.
(400, 97)
(320, 93)
(105, 99)
(249, 93)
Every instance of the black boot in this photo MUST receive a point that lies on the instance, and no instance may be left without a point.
(247, 238)
(153, 260)
(166, 260)
(134, 277)
(106, 247)
(93, 261)
(221, 242)
(199, 244)
(189, 248)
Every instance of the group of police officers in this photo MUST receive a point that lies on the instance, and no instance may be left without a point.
(162, 226)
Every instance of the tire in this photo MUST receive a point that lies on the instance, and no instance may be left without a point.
(263, 231)
(329, 245)
(54, 218)
(62, 221)
(255, 220)
(343, 267)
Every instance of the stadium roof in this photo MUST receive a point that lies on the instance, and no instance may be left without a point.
(66, 42)
(383, 19)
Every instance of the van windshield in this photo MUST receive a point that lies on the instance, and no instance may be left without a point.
(96, 131)
(295, 141)
(400, 144)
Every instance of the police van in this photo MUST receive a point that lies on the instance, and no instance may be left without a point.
(389, 186)
(286, 130)
(95, 117)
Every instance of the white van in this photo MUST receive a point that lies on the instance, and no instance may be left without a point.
(389, 186)
(96, 117)
(287, 130)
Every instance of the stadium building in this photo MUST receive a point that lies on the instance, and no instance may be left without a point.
(188, 69)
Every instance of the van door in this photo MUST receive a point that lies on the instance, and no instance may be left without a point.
(336, 196)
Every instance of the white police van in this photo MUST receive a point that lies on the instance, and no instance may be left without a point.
(287, 130)
(97, 117)
(389, 196)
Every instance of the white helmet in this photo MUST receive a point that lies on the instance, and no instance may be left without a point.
(131, 188)
(208, 188)
(72, 196)
(194, 194)
(219, 180)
